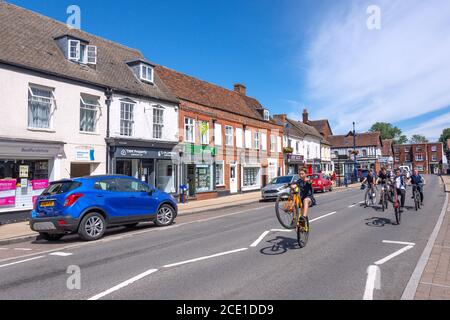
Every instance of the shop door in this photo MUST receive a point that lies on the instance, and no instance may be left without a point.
(191, 179)
(233, 179)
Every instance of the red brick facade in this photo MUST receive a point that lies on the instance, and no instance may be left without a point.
(425, 157)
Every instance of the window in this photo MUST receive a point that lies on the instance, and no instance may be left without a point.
(433, 157)
(189, 130)
(272, 143)
(364, 153)
(266, 115)
(40, 103)
(204, 132)
(82, 52)
(128, 185)
(256, 141)
(126, 119)
(419, 157)
(397, 150)
(250, 177)
(106, 185)
(433, 148)
(397, 159)
(88, 114)
(158, 122)
(219, 174)
(406, 150)
(297, 147)
(228, 136)
(91, 54)
(289, 143)
(146, 73)
(74, 50)
(419, 168)
(418, 149)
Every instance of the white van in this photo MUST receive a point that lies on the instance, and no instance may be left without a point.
(406, 170)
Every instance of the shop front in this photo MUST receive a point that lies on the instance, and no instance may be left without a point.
(313, 166)
(199, 170)
(155, 164)
(294, 163)
(26, 167)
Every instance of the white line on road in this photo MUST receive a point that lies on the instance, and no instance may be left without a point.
(123, 284)
(21, 261)
(324, 216)
(204, 258)
(373, 282)
(261, 237)
(61, 254)
(399, 242)
(281, 230)
(396, 253)
(23, 249)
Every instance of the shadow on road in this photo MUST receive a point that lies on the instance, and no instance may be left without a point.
(280, 245)
(378, 222)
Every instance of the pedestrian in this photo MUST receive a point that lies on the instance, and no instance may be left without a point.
(333, 178)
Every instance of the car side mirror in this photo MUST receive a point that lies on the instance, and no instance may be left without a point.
(150, 193)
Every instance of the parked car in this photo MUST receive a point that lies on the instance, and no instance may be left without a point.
(277, 186)
(89, 205)
(320, 183)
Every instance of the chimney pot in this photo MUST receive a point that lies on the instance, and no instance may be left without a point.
(240, 88)
(305, 116)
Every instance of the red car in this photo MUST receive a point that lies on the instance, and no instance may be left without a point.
(320, 183)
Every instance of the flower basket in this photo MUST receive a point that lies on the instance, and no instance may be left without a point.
(288, 150)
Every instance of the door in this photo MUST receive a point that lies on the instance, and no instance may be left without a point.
(137, 200)
(233, 179)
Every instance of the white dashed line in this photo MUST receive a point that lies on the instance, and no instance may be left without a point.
(61, 254)
(204, 258)
(21, 261)
(261, 237)
(324, 216)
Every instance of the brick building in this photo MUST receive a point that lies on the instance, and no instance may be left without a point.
(230, 142)
(425, 157)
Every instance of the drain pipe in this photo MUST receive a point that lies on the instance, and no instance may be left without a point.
(108, 94)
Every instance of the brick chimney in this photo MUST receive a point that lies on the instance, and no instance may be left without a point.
(305, 116)
(239, 88)
(281, 117)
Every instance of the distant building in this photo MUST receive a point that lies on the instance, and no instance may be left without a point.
(427, 158)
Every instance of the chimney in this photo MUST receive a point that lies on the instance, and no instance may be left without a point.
(305, 116)
(281, 117)
(239, 88)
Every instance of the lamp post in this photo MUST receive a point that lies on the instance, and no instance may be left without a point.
(355, 170)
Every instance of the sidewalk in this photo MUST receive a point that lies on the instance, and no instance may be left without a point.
(19, 232)
(434, 283)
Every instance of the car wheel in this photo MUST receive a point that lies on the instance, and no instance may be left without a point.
(50, 237)
(92, 227)
(165, 216)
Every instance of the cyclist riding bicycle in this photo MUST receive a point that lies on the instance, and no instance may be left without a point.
(417, 181)
(370, 179)
(400, 185)
(382, 180)
(306, 192)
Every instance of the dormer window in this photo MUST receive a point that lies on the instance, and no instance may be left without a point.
(146, 73)
(266, 115)
(82, 52)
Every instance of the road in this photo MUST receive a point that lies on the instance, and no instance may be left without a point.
(228, 254)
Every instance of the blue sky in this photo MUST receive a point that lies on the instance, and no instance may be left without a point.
(293, 54)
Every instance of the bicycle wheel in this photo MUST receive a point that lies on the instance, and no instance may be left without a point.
(302, 232)
(416, 201)
(366, 199)
(286, 210)
(398, 215)
(383, 200)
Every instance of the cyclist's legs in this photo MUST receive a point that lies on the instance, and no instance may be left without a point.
(420, 188)
(401, 193)
(306, 205)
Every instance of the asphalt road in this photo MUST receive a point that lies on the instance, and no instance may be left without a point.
(210, 255)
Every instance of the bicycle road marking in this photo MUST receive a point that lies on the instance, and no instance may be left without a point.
(61, 254)
(373, 281)
(393, 255)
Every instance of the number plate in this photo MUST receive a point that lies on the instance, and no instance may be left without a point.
(46, 204)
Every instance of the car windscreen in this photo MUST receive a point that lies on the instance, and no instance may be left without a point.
(314, 177)
(61, 187)
(279, 180)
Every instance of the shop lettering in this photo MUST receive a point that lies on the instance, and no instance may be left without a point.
(34, 150)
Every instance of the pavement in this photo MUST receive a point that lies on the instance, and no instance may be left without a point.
(241, 252)
(13, 231)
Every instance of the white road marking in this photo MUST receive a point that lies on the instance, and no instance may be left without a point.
(4, 248)
(204, 258)
(436, 284)
(399, 242)
(23, 249)
(281, 230)
(353, 205)
(324, 216)
(391, 256)
(123, 284)
(261, 237)
(61, 254)
(373, 282)
(21, 261)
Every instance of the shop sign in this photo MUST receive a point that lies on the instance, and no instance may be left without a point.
(192, 149)
(141, 153)
(84, 155)
(7, 192)
(23, 171)
(38, 187)
(295, 158)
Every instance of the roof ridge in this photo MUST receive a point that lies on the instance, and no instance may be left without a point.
(69, 29)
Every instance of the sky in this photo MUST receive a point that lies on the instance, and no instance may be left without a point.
(295, 54)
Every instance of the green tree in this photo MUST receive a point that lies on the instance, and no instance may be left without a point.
(444, 137)
(417, 138)
(388, 131)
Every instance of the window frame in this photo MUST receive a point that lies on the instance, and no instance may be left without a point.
(52, 102)
(88, 56)
(222, 181)
(257, 140)
(155, 124)
(191, 126)
(419, 157)
(97, 109)
(229, 136)
(141, 73)
(131, 120)
(78, 50)
(266, 115)
(202, 135)
(273, 143)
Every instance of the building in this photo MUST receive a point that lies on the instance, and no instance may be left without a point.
(368, 149)
(427, 158)
(65, 91)
(387, 159)
(229, 142)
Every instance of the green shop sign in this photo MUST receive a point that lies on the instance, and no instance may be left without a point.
(202, 150)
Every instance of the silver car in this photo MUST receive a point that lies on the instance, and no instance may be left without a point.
(277, 186)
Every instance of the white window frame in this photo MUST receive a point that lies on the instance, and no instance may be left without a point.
(52, 102)
(433, 148)
(149, 68)
(95, 107)
(273, 143)
(229, 136)
(131, 120)
(257, 140)
(263, 142)
(78, 49)
(217, 134)
(266, 115)
(157, 124)
(222, 180)
(206, 135)
(239, 138)
(419, 157)
(190, 124)
(89, 58)
(434, 158)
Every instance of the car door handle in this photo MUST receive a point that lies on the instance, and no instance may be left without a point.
(100, 196)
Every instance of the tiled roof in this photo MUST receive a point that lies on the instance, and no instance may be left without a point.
(299, 129)
(28, 40)
(204, 93)
(322, 126)
(362, 140)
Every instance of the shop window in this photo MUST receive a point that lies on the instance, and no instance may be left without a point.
(250, 177)
(126, 119)
(166, 176)
(40, 104)
(88, 114)
(189, 130)
(219, 174)
(203, 178)
(158, 122)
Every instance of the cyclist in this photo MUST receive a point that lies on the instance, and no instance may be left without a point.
(417, 181)
(306, 192)
(370, 179)
(400, 185)
(382, 180)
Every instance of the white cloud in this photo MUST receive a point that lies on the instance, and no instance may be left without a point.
(397, 73)
(432, 128)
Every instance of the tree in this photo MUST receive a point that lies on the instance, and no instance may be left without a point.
(388, 131)
(444, 137)
(417, 138)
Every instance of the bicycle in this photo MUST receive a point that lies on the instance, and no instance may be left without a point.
(397, 209)
(384, 196)
(289, 211)
(416, 197)
(370, 196)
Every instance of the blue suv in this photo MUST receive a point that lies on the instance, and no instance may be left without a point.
(89, 205)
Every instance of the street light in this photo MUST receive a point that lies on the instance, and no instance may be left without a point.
(355, 170)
